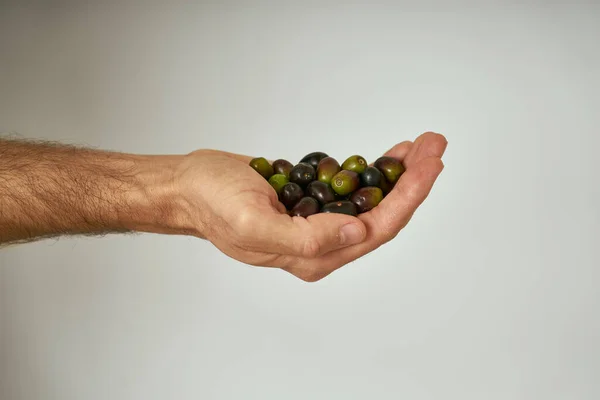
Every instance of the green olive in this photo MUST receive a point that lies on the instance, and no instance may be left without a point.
(355, 163)
(262, 166)
(345, 182)
(278, 181)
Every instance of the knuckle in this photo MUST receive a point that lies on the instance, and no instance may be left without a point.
(311, 247)
(414, 194)
(389, 230)
(390, 235)
(244, 225)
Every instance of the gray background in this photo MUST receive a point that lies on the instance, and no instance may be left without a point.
(490, 293)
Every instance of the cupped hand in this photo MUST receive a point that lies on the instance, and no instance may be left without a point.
(237, 210)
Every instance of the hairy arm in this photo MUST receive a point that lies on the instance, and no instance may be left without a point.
(49, 189)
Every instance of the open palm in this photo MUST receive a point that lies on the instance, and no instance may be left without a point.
(241, 214)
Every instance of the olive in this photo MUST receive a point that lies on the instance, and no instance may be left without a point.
(262, 166)
(340, 207)
(385, 186)
(327, 168)
(290, 194)
(282, 167)
(371, 177)
(278, 181)
(321, 191)
(305, 207)
(314, 158)
(345, 182)
(355, 163)
(390, 167)
(366, 198)
(302, 174)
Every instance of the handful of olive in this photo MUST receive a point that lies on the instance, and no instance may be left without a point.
(318, 183)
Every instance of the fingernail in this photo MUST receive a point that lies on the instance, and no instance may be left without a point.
(351, 234)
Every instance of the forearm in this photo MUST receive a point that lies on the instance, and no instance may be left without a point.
(48, 190)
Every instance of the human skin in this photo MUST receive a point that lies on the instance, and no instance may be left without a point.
(49, 190)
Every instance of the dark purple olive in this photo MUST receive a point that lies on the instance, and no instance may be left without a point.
(314, 158)
(305, 207)
(385, 186)
(320, 191)
(282, 167)
(302, 174)
(371, 177)
(390, 167)
(366, 198)
(290, 194)
(340, 207)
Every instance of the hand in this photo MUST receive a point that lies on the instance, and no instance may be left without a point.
(237, 210)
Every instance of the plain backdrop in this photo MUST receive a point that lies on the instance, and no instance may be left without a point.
(491, 292)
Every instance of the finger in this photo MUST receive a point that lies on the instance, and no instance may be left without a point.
(383, 223)
(303, 237)
(429, 144)
(400, 150)
(413, 187)
(423, 165)
(311, 270)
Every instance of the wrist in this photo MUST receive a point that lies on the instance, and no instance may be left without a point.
(157, 199)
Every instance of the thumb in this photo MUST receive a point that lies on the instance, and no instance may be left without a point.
(308, 237)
